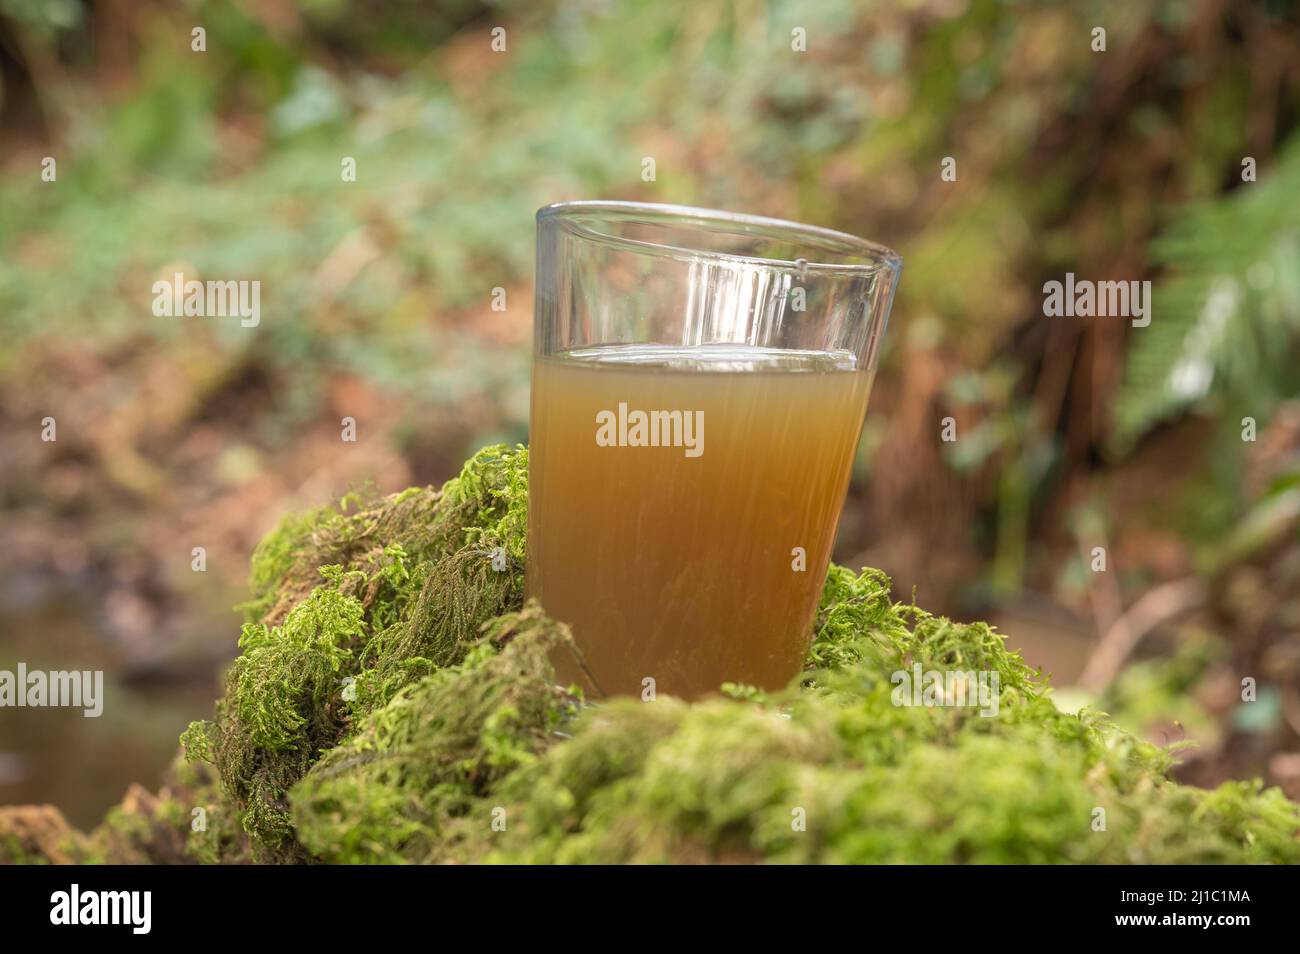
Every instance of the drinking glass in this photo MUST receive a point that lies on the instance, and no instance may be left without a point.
(699, 385)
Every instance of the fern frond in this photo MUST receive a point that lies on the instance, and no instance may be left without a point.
(1226, 318)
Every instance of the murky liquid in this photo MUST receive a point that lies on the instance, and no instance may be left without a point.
(691, 569)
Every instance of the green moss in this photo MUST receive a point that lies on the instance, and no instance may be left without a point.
(281, 708)
(826, 779)
(407, 582)
(832, 770)
(274, 557)
(858, 623)
(492, 495)
(458, 595)
(40, 835)
(187, 820)
(414, 778)
(212, 825)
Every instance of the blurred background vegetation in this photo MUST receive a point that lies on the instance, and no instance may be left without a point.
(376, 304)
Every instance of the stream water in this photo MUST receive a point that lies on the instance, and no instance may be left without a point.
(58, 756)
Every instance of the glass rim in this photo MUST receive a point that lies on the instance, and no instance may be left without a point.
(819, 239)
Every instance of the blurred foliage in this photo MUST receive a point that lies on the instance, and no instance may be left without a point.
(1156, 698)
(227, 163)
(1227, 314)
(47, 17)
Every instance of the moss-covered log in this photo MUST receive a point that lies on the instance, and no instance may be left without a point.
(394, 702)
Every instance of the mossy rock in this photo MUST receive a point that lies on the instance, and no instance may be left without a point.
(394, 702)
(828, 771)
(357, 602)
(38, 835)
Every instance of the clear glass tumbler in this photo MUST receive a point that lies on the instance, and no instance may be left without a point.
(698, 391)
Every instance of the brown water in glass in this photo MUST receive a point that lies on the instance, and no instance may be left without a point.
(681, 568)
